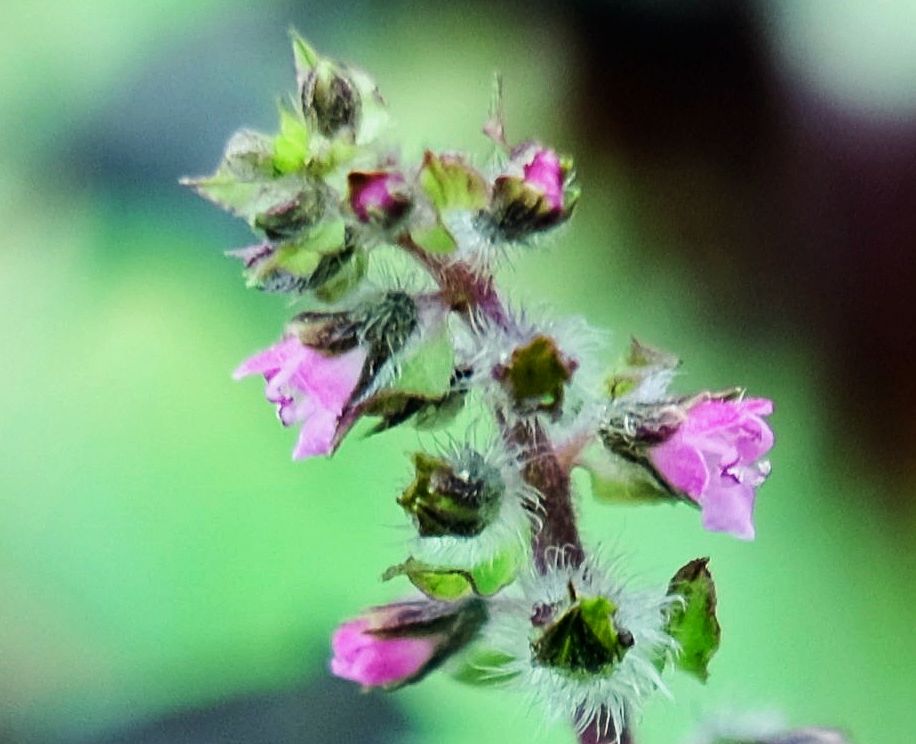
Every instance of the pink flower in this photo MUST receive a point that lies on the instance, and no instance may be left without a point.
(379, 196)
(714, 457)
(376, 661)
(545, 173)
(309, 388)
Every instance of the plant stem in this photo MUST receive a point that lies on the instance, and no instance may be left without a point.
(555, 540)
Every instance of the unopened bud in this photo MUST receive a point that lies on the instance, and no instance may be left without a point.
(534, 194)
(291, 217)
(379, 197)
(400, 643)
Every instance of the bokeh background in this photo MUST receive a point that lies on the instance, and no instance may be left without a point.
(749, 173)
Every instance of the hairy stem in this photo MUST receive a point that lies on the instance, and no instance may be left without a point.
(556, 540)
(592, 735)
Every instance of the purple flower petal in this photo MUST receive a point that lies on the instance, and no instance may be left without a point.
(545, 173)
(682, 466)
(728, 438)
(308, 388)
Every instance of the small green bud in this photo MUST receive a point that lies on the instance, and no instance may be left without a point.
(329, 96)
(457, 499)
(584, 638)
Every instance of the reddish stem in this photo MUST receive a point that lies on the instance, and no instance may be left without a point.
(556, 540)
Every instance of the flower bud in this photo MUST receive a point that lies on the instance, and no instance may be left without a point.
(379, 197)
(459, 499)
(287, 219)
(535, 193)
(400, 643)
(328, 94)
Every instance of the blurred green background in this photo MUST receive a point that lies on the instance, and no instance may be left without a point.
(168, 574)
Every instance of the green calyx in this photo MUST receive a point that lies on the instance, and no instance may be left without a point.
(583, 639)
(456, 501)
(536, 376)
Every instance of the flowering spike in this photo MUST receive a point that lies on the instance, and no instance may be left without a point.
(347, 224)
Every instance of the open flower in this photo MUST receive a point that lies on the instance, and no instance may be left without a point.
(309, 387)
(714, 457)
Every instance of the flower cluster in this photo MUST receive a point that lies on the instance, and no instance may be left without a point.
(507, 590)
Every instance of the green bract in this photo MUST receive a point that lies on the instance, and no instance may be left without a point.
(451, 583)
(693, 623)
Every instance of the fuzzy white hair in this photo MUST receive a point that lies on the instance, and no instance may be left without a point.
(610, 699)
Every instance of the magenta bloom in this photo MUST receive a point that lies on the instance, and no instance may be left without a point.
(545, 173)
(308, 387)
(378, 196)
(715, 458)
(374, 661)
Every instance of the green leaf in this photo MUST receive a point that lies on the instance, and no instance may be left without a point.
(245, 182)
(295, 260)
(693, 623)
(291, 145)
(451, 183)
(427, 370)
(374, 117)
(326, 237)
(305, 57)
